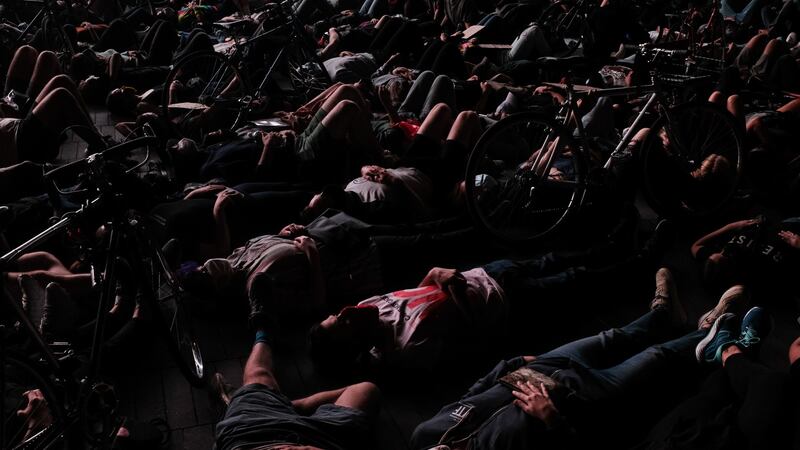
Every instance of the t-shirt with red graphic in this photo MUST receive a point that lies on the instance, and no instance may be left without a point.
(425, 320)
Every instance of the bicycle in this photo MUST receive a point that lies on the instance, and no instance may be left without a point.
(47, 22)
(566, 23)
(83, 410)
(527, 174)
(210, 87)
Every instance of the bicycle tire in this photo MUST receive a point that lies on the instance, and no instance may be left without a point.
(571, 34)
(195, 74)
(170, 315)
(26, 377)
(307, 74)
(497, 183)
(699, 131)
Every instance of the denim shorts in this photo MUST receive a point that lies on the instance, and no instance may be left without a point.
(259, 415)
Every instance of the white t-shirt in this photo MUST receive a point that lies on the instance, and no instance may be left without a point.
(424, 318)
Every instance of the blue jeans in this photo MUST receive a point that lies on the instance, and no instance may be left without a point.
(523, 278)
(745, 15)
(620, 360)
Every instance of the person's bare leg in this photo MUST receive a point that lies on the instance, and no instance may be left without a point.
(362, 396)
(20, 69)
(466, 129)
(259, 369)
(342, 93)
(734, 106)
(60, 109)
(437, 123)
(717, 98)
(794, 351)
(347, 120)
(63, 81)
(40, 261)
(47, 68)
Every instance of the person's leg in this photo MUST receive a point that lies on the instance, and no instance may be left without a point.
(668, 361)
(65, 82)
(417, 94)
(119, 36)
(378, 8)
(442, 91)
(362, 396)
(40, 261)
(46, 68)
(449, 61)
(57, 111)
(342, 93)
(259, 367)
(784, 74)
(529, 45)
(436, 124)
(617, 343)
(762, 393)
(164, 42)
(388, 27)
(348, 120)
(20, 70)
(429, 55)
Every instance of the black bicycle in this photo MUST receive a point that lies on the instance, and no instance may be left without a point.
(82, 410)
(210, 91)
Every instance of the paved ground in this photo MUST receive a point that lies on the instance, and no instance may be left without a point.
(154, 388)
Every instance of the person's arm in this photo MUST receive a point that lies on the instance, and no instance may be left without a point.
(308, 405)
(714, 235)
(309, 247)
(222, 235)
(386, 101)
(499, 371)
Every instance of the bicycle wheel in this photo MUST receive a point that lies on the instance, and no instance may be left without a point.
(566, 27)
(306, 73)
(173, 318)
(20, 378)
(524, 177)
(203, 92)
(692, 160)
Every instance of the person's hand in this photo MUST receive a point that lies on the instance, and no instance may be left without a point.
(375, 173)
(36, 413)
(292, 230)
(444, 279)
(305, 244)
(225, 199)
(535, 401)
(792, 239)
(206, 190)
(528, 359)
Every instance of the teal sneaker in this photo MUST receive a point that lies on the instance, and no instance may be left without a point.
(756, 325)
(722, 333)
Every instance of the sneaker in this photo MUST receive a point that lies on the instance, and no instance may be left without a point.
(733, 300)
(723, 333)
(666, 296)
(756, 325)
(33, 298)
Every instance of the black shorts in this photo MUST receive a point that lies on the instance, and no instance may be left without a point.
(259, 415)
(35, 142)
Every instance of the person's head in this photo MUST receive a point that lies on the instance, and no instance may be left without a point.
(207, 279)
(341, 339)
(93, 89)
(377, 174)
(122, 101)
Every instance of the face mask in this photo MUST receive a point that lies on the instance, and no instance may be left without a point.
(220, 271)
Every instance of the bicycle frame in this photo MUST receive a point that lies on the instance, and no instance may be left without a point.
(45, 12)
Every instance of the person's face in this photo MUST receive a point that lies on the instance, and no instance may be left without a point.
(352, 322)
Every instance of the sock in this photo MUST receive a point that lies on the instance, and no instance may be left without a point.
(261, 336)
